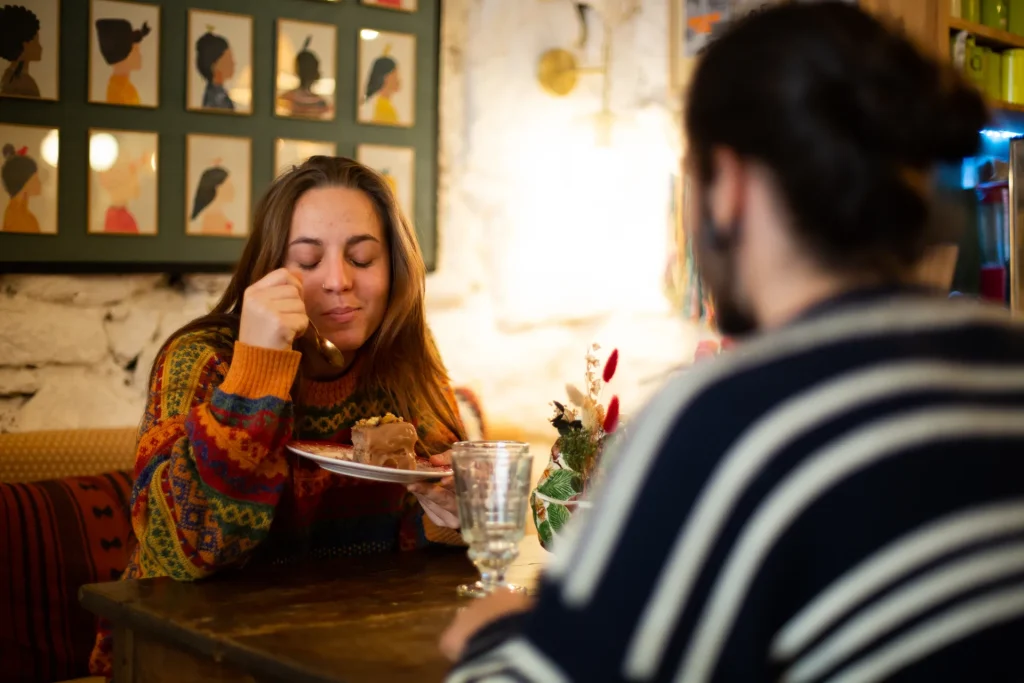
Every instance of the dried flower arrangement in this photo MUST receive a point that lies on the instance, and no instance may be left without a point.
(583, 425)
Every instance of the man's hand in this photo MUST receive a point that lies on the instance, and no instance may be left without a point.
(479, 614)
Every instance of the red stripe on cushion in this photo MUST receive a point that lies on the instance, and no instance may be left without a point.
(35, 588)
(58, 535)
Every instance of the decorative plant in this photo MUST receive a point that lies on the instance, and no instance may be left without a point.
(583, 425)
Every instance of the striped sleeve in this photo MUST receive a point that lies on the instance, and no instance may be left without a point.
(598, 583)
(842, 502)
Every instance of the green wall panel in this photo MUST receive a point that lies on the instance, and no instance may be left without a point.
(73, 250)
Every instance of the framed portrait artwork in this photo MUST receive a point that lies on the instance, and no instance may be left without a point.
(219, 62)
(398, 166)
(217, 185)
(122, 182)
(124, 53)
(402, 5)
(386, 94)
(30, 49)
(289, 152)
(28, 168)
(306, 79)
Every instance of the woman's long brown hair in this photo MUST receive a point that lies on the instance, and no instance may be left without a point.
(400, 357)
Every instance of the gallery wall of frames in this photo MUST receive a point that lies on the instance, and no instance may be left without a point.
(138, 135)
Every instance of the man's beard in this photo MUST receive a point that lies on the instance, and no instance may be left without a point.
(716, 263)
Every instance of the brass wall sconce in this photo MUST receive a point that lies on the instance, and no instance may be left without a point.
(559, 71)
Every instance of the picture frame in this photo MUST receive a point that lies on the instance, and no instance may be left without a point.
(123, 187)
(219, 62)
(29, 157)
(218, 185)
(398, 166)
(305, 70)
(124, 53)
(396, 5)
(386, 94)
(290, 152)
(33, 46)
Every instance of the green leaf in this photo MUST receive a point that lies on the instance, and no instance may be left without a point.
(544, 531)
(558, 516)
(561, 485)
(576, 447)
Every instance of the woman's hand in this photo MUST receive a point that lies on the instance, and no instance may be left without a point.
(438, 500)
(273, 312)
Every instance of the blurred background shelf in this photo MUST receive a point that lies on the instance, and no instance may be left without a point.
(986, 35)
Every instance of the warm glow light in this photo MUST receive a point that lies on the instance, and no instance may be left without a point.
(368, 34)
(152, 161)
(323, 87)
(591, 232)
(51, 148)
(103, 151)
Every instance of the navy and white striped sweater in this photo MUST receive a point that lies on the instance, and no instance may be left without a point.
(838, 500)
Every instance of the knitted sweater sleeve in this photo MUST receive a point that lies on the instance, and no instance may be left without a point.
(210, 467)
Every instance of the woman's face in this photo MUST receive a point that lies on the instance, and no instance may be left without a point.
(224, 68)
(337, 246)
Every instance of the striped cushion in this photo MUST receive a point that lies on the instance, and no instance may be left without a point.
(55, 536)
(471, 413)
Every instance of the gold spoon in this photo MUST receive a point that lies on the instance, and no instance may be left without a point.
(327, 348)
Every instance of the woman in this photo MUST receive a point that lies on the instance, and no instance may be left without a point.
(214, 191)
(20, 176)
(383, 83)
(840, 496)
(216, 65)
(19, 45)
(215, 487)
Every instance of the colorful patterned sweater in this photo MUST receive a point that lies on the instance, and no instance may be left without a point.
(214, 485)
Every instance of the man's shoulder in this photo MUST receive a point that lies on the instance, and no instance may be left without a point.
(761, 372)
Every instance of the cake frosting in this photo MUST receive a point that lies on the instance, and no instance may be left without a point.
(387, 441)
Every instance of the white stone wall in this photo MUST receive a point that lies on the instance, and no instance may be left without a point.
(547, 242)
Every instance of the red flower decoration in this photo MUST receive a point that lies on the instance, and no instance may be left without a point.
(610, 365)
(611, 419)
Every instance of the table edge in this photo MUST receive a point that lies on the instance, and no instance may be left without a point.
(217, 648)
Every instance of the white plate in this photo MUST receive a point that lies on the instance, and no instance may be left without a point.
(359, 470)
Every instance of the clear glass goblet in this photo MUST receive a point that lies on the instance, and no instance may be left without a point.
(492, 485)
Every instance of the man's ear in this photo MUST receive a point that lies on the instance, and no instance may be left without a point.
(726, 188)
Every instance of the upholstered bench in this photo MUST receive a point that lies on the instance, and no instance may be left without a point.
(64, 522)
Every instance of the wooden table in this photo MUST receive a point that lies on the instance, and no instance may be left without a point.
(352, 620)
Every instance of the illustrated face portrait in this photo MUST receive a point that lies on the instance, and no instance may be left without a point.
(226, 191)
(224, 68)
(34, 186)
(134, 59)
(121, 182)
(391, 83)
(33, 50)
